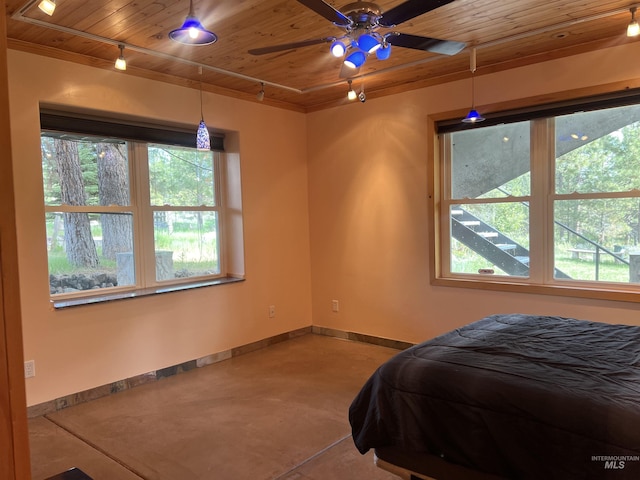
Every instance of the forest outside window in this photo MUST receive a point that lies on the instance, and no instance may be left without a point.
(551, 200)
(125, 215)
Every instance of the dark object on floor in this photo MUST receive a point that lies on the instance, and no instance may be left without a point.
(73, 474)
(510, 396)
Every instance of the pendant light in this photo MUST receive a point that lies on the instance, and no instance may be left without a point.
(473, 116)
(192, 32)
(203, 140)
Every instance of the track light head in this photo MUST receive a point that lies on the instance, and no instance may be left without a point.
(121, 62)
(633, 29)
(47, 6)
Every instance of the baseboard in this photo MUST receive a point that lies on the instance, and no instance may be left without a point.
(121, 385)
(361, 337)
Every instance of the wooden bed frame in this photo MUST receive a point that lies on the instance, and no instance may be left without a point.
(422, 466)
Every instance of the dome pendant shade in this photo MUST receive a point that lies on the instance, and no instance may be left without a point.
(192, 32)
(203, 140)
(473, 117)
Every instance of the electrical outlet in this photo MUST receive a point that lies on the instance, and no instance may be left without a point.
(29, 369)
(335, 306)
(272, 311)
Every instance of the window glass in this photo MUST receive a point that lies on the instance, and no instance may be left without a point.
(490, 238)
(490, 185)
(186, 244)
(485, 161)
(181, 176)
(594, 238)
(89, 251)
(84, 172)
(598, 151)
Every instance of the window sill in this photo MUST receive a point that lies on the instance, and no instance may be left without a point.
(557, 290)
(109, 297)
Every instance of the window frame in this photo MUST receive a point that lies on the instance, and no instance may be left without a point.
(140, 208)
(541, 275)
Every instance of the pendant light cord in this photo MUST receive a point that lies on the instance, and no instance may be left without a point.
(201, 114)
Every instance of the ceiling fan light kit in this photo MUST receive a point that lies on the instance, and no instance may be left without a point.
(361, 21)
(192, 32)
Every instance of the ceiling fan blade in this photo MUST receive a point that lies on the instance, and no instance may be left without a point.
(408, 10)
(434, 45)
(327, 11)
(289, 46)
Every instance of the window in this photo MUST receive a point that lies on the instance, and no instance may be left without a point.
(539, 199)
(127, 214)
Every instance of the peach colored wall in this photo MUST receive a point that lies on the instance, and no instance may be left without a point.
(368, 191)
(83, 347)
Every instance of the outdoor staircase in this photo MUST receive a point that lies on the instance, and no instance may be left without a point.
(491, 244)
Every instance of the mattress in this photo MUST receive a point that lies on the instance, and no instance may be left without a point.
(515, 396)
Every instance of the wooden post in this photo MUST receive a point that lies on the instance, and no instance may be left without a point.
(14, 437)
(634, 267)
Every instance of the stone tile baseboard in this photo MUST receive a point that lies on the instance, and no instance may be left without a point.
(361, 337)
(121, 385)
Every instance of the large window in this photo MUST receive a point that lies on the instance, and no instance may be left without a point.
(126, 215)
(547, 200)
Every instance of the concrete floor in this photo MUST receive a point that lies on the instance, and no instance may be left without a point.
(276, 413)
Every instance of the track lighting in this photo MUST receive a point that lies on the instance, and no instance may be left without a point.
(473, 116)
(260, 95)
(192, 32)
(47, 6)
(203, 140)
(633, 29)
(121, 62)
(351, 94)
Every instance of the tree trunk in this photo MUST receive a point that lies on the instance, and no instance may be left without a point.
(113, 189)
(79, 244)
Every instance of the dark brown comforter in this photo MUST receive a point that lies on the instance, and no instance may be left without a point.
(519, 396)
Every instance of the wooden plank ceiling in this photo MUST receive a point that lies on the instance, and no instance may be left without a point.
(505, 33)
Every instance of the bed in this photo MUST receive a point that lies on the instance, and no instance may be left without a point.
(508, 397)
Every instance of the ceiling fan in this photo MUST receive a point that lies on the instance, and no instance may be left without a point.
(361, 21)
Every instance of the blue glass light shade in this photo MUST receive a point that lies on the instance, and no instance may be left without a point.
(384, 52)
(355, 59)
(193, 33)
(473, 117)
(203, 141)
(338, 49)
(368, 43)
